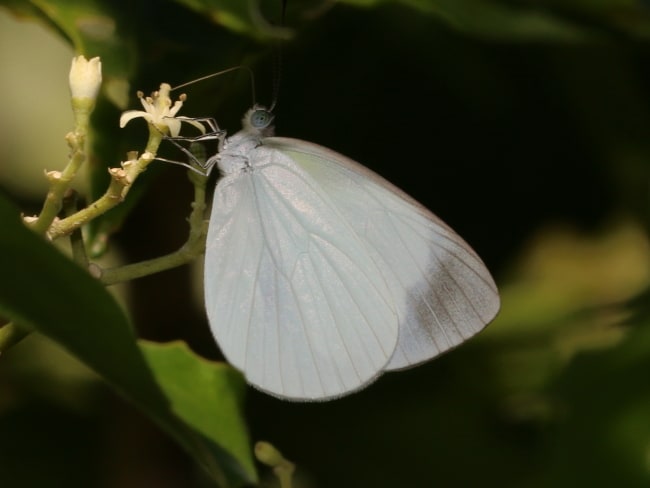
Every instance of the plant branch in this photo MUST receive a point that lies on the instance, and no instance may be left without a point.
(122, 180)
(194, 246)
(60, 180)
(77, 245)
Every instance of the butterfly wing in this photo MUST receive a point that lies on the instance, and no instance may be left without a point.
(443, 292)
(292, 294)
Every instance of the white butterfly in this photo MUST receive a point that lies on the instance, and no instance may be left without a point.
(320, 275)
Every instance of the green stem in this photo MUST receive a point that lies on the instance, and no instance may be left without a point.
(122, 180)
(284, 474)
(60, 181)
(11, 334)
(184, 255)
(282, 468)
(77, 245)
(194, 246)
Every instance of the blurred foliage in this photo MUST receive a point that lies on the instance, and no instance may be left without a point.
(109, 347)
(524, 124)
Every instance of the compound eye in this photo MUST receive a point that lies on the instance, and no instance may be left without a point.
(261, 118)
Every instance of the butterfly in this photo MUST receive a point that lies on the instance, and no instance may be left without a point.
(320, 275)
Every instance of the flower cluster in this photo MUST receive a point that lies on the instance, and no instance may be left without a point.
(159, 112)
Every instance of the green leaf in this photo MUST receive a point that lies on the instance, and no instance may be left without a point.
(42, 289)
(201, 393)
(604, 397)
(549, 20)
(241, 16)
(494, 19)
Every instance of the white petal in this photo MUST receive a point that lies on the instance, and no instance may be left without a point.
(170, 112)
(129, 115)
(85, 77)
(148, 105)
(173, 124)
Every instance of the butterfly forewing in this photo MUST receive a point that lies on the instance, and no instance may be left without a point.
(442, 291)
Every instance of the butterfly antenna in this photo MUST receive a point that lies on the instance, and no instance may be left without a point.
(277, 67)
(219, 73)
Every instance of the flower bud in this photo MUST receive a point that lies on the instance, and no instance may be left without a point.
(267, 454)
(85, 77)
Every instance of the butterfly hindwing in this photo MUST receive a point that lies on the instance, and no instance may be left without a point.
(293, 295)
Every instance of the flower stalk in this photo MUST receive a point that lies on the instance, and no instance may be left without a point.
(193, 247)
(121, 181)
(160, 114)
(85, 79)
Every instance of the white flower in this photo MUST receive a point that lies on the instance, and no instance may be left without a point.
(158, 111)
(85, 77)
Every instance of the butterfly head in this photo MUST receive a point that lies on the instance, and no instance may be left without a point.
(259, 120)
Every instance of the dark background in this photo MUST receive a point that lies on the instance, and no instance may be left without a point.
(507, 138)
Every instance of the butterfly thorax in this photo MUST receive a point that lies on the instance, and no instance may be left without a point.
(235, 156)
